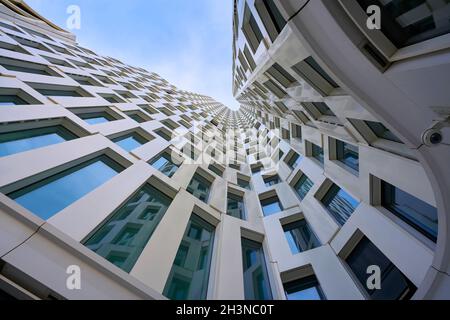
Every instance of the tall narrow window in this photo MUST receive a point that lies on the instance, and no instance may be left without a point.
(394, 284)
(236, 206)
(317, 153)
(304, 289)
(188, 278)
(339, 203)
(49, 196)
(199, 187)
(164, 164)
(300, 236)
(251, 29)
(294, 160)
(417, 213)
(127, 232)
(347, 154)
(256, 279)
(302, 187)
(20, 141)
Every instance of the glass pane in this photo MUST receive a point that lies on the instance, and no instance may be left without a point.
(394, 285)
(256, 279)
(243, 183)
(165, 165)
(130, 142)
(199, 187)
(49, 196)
(188, 278)
(300, 236)
(417, 213)
(340, 204)
(348, 154)
(128, 230)
(20, 141)
(406, 22)
(96, 117)
(382, 132)
(304, 289)
(303, 186)
(59, 93)
(271, 206)
(11, 100)
(235, 206)
(317, 153)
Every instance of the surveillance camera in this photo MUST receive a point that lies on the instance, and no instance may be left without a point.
(432, 137)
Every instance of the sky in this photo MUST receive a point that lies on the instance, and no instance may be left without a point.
(187, 42)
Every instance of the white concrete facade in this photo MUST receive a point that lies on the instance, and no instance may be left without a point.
(35, 252)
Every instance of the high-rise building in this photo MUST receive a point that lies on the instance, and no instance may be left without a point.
(114, 184)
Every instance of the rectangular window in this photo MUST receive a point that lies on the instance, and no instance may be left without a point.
(302, 187)
(130, 141)
(281, 75)
(347, 154)
(11, 100)
(236, 206)
(304, 289)
(93, 118)
(24, 140)
(417, 213)
(311, 72)
(381, 131)
(128, 230)
(394, 284)
(59, 93)
(295, 160)
(164, 164)
(272, 180)
(216, 170)
(339, 203)
(271, 206)
(323, 109)
(36, 69)
(199, 187)
(251, 29)
(243, 183)
(300, 236)
(49, 196)
(256, 278)
(188, 278)
(317, 153)
(407, 22)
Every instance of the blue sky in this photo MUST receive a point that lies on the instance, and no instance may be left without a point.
(187, 42)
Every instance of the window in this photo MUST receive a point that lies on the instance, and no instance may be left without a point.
(27, 68)
(304, 289)
(128, 230)
(296, 131)
(271, 17)
(136, 117)
(256, 279)
(381, 131)
(302, 187)
(323, 109)
(281, 75)
(164, 164)
(199, 187)
(272, 180)
(394, 284)
(236, 206)
(310, 71)
(215, 169)
(49, 196)
(347, 154)
(59, 93)
(11, 100)
(417, 213)
(93, 118)
(164, 133)
(294, 160)
(24, 140)
(188, 278)
(300, 237)
(251, 30)
(130, 141)
(407, 22)
(339, 203)
(271, 206)
(243, 183)
(317, 153)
